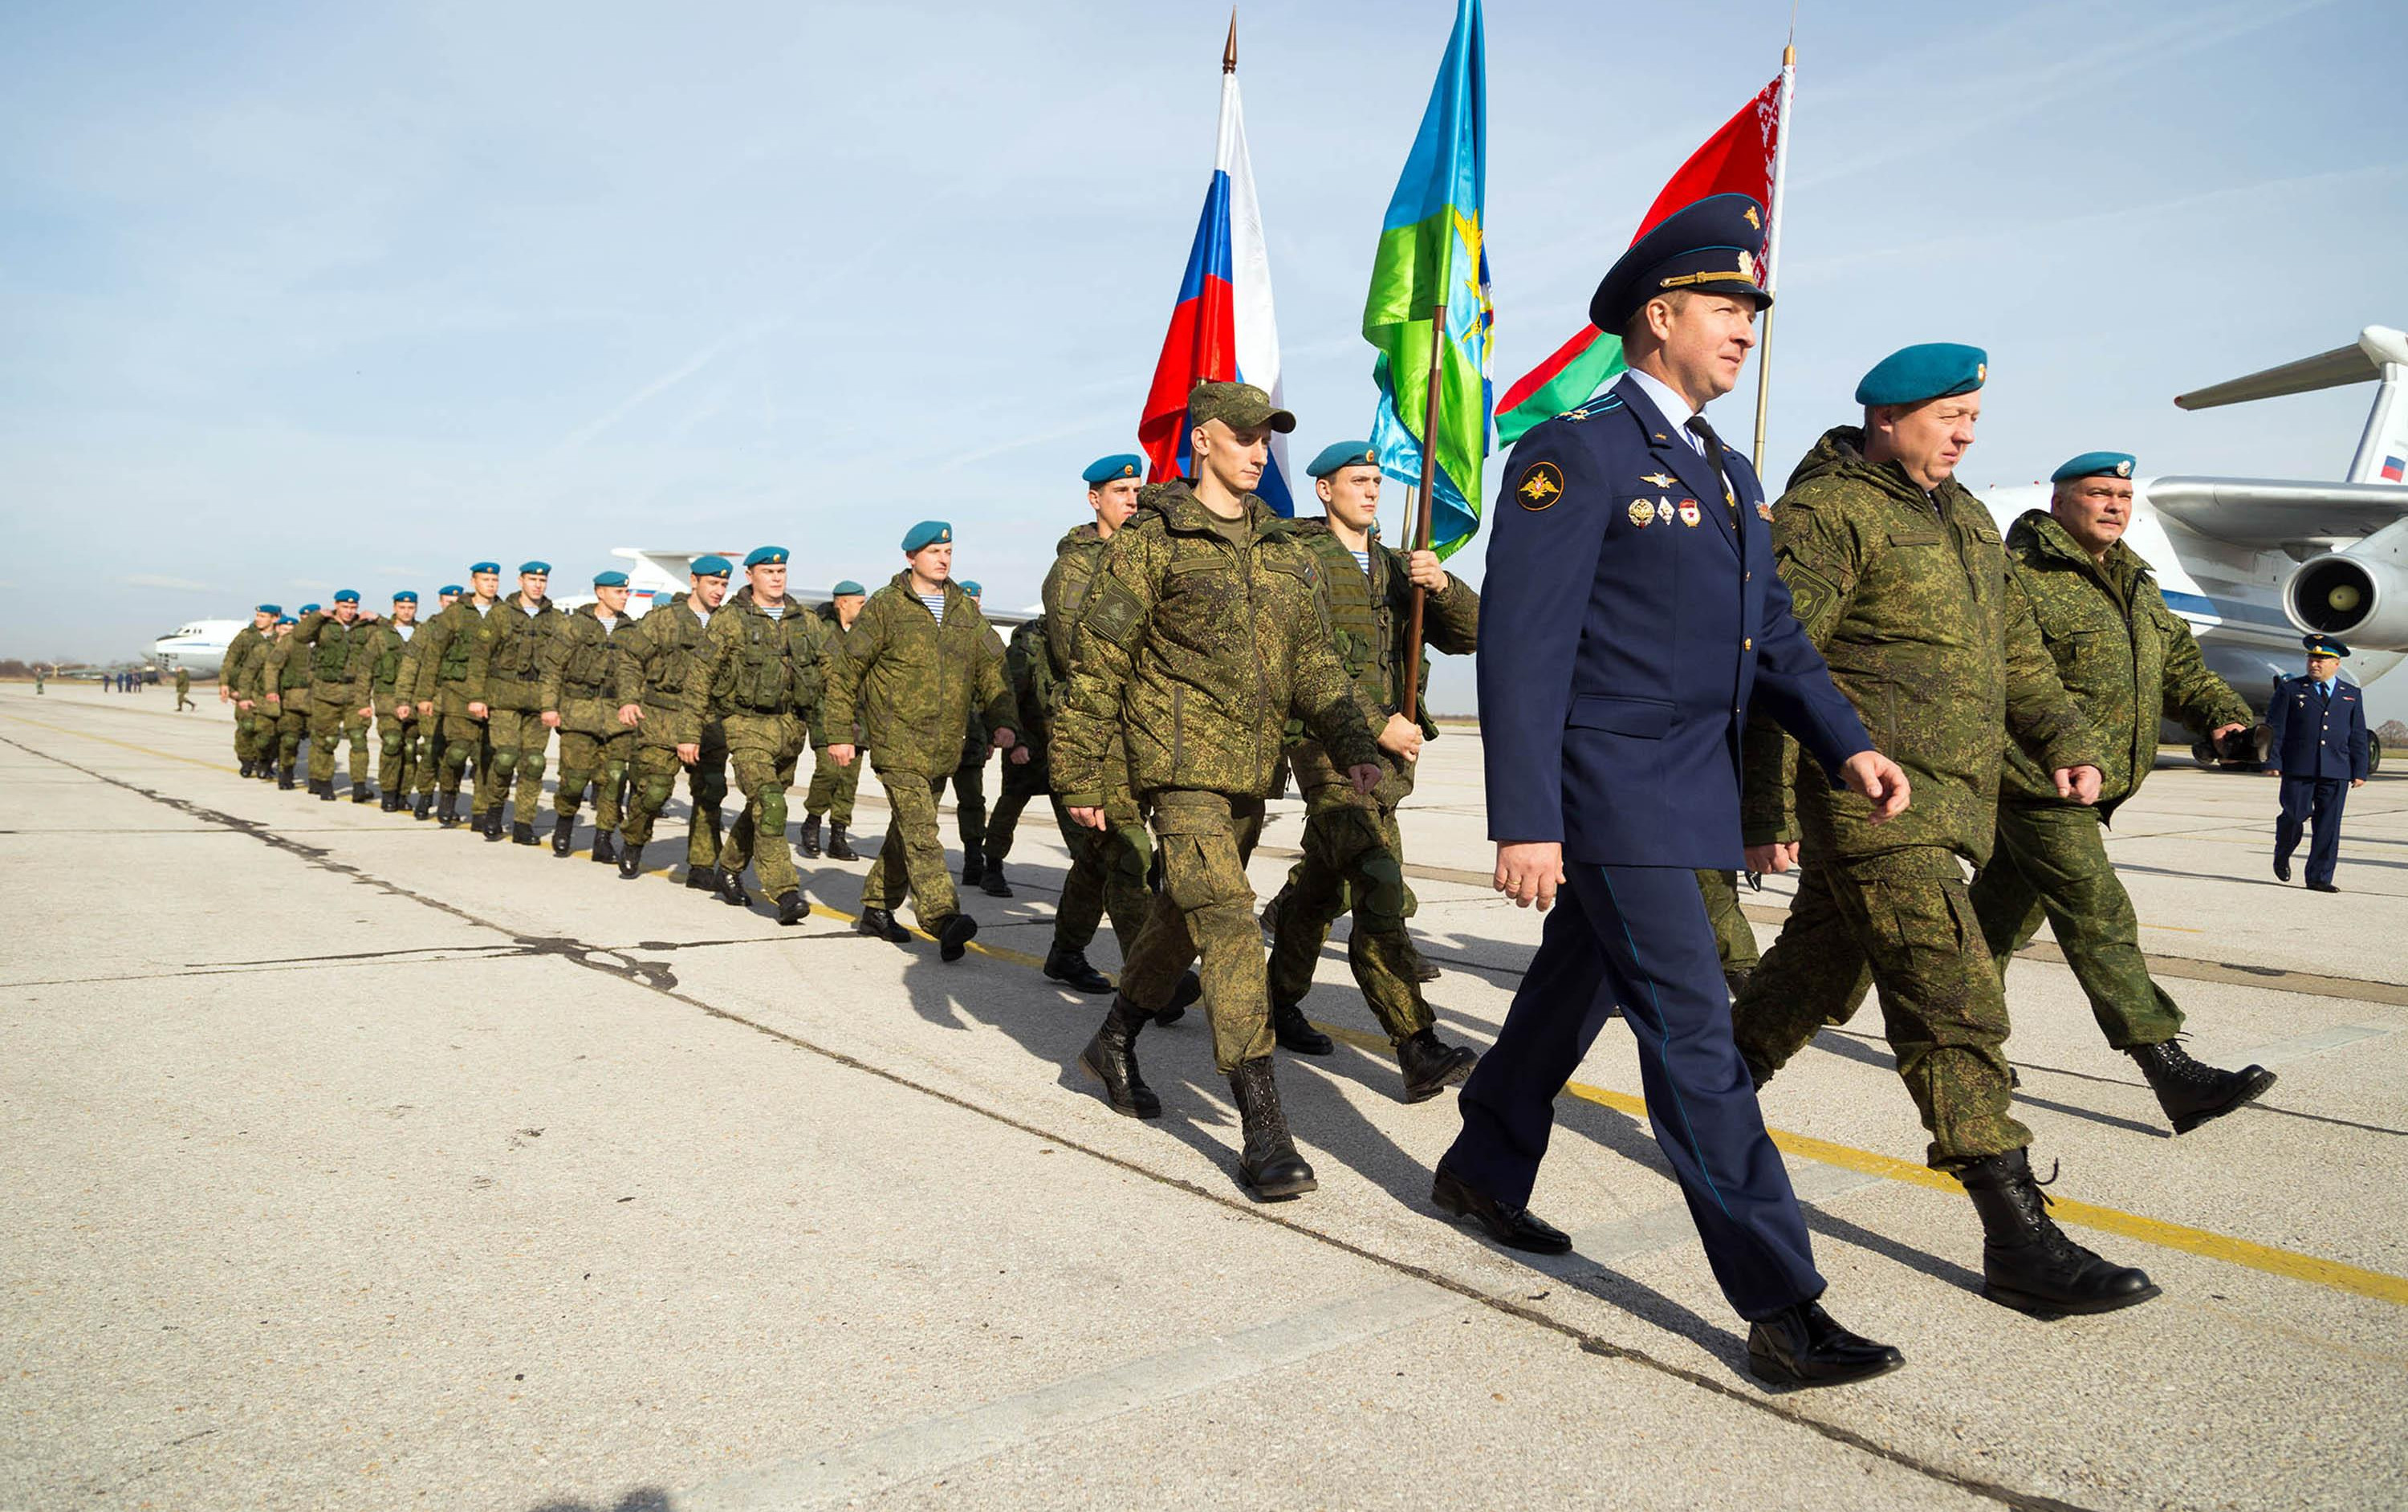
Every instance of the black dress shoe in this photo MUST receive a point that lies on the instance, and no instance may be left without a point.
(879, 924)
(2322, 887)
(2281, 871)
(1295, 1032)
(1514, 1228)
(953, 937)
(1801, 1345)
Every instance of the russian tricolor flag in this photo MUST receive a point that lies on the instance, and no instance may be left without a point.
(2392, 469)
(1222, 329)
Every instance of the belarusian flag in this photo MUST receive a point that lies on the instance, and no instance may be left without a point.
(1736, 160)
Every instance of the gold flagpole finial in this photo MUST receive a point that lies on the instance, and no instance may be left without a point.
(1229, 53)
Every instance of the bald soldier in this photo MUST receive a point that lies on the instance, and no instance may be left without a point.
(458, 641)
(659, 664)
(235, 674)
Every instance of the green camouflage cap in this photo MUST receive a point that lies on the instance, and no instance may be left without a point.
(1241, 406)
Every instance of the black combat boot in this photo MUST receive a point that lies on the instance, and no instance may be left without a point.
(563, 834)
(792, 908)
(973, 865)
(991, 881)
(1430, 1065)
(807, 842)
(1187, 990)
(840, 848)
(953, 937)
(702, 878)
(879, 924)
(1295, 1032)
(523, 833)
(326, 791)
(631, 862)
(247, 767)
(2192, 1093)
(1424, 969)
(606, 850)
(2027, 1264)
(448, 815)
(391, 803)
(423, 807)
(1071, 968)
(731, 889)
(266, 772)
(489, 824)
(1267, 1163)
(365, 795)
(285, 779)
(1110, 1058)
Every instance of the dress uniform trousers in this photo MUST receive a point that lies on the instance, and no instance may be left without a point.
(2317, 801)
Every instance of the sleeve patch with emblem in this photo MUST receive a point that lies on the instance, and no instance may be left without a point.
(1540, 485)
(1114, 613)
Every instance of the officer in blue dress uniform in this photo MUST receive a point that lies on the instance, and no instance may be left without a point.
(2319, 750)
(1632, 614)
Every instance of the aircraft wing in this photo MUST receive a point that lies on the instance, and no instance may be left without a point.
(2265, 514)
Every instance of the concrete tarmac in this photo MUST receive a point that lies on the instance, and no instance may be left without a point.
(353, 1162)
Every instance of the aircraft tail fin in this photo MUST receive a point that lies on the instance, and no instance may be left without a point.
(2380, 352)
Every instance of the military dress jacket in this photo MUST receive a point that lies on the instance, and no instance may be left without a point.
(1905, 594)
(2128, 661)
(2313, 738)
(1629, 624)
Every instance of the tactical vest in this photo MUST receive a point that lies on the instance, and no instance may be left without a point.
(673, 654)
(770, 679)
(454, 665)
(332, 661)
(588, 666)
(294, 676)
(390, 651)
(516, 644)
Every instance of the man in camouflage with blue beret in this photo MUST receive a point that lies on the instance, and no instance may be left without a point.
(336, 647)
(657, 665)
(833, 787)
(448, 688)
(248, 649)
(397, 723)
(509, 685)
(581, 700)
(1897, 576)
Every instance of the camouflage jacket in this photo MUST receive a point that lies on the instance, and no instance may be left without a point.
(1028, 666)
(510, 675)
(388, 653)
(2127, 658)
(284, 674)
(1905, 595)
(1200, 649)
(912, 682)
(1371, 617)
(447, 658)
(337, 658)
(657, 662)
(245, 655)
(836, 636)
(1065, 594)
(757, 667)
(581, 680)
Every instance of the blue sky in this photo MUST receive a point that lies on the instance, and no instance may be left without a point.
(294, 296)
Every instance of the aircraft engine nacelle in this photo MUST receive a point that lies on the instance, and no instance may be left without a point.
(2363, 602)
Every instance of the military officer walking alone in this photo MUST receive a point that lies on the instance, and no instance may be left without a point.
(1632, 618)
(2319, 749)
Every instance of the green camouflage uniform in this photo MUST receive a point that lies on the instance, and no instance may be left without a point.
(659, 668)
(1027, 669)
(512, 693)
(1353, 857)
(1109, 867)
(581, 684)
(969, 777)
(449, 654)
(284, 672)
(2128, 662)
(832, 786)
(183, 690)
(238, 672)
(765, 675)
(1201, 639)
(912, 682)
(1734, 941)
(400, 742)
(1905, 594)
(342, 660)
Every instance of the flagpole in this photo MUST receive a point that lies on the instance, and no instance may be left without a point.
(1421, 536)
(1772, 247)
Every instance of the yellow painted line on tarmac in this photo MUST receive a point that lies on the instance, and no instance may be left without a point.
(2330, 1274)
(126, 745)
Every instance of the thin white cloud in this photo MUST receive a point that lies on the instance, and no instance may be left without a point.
(174, 585)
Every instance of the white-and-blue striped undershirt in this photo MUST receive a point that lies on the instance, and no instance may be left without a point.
(936, 602)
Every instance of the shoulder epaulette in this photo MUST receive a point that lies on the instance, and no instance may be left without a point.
(1602, 404)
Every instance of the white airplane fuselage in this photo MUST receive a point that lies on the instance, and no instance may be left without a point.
(198, 647)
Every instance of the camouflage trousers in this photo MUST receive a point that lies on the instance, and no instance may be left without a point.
(254, 734)
(329, 723)
(1354, 862)
(401, 749)
(2051, 861)
(520, 747)
(651, 780)
(1733, 940)
(763, 752)
(911, 859)
(1108, 867)
(282, 739)
(601, 761)
(1206, 909)
(1905, 916)
(969, 803)
(457, 739)
(833, 787)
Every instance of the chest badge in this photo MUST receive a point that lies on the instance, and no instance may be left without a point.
(1689, 515)
(1643, 514)
(1763, 511)
(1541, 484)
(1657, 479)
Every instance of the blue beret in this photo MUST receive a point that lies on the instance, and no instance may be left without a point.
(452, 589)
(2095, 464)
(1715, 247)
(2324, 645)
(287, 620)
(928, 533)
(1118, 466)
(848, 586)
(543, 568)
(1933, 370)
(311, 608)
(347, 595)
(406, 596)
(271, 609)
(711, 567)
(970, 587)
(609, 579)
(766, 556)
(1342, 454)
(484, 566)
